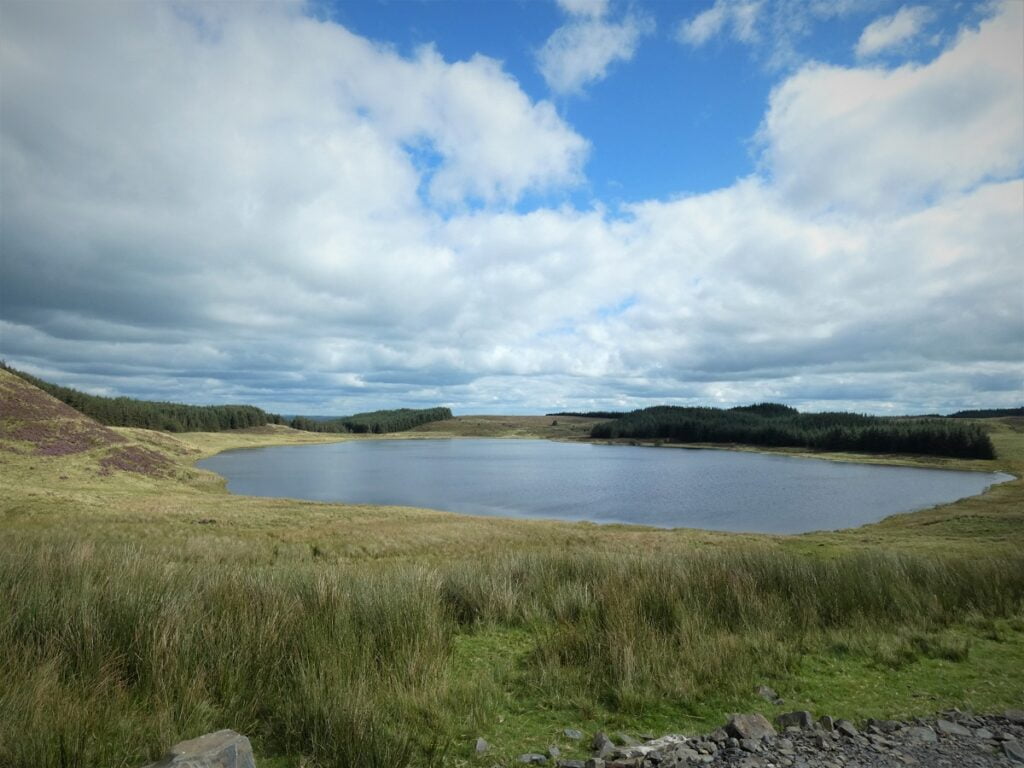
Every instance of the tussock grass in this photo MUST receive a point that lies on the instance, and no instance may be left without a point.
(109, 653)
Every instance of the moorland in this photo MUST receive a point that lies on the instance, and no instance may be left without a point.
(143, 604)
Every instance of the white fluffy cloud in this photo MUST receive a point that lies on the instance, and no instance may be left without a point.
(892, 31)
(879, 141)
(591, 8)
(242, 204)
(737, 18)
(581, 51)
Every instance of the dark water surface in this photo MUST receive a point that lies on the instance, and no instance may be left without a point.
(664, 487)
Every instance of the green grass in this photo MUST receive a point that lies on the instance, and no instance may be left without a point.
(337, 634)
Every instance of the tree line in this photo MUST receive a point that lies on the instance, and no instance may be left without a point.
(987, 413)
(150, 414)
(771, 424)
(375, 422)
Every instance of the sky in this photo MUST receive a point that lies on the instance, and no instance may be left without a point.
(516, 206)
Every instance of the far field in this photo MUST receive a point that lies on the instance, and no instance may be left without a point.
(144, 604)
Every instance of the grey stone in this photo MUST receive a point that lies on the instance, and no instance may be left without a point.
(685, 753)
(827, 723)
(1013, 750)
(625, 740)
(921, 733)
(846, 728)
(1015, 716)
(601, 745)
(983, 733)
(571, 764)
(718, 735)
(594, 762)
(950, 728)
(821, 741)
(749, 745)
(220, 749)
(799, 719)
(572, 734)
(481, 746)
(532, 758)
(768, 694)
(884, 726)
(750, 726)
(553, 751)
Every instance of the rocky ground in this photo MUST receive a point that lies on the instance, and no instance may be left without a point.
(954, 739)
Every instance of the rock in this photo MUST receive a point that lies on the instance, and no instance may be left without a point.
(625, 740)
(532, 758)
(571, 764)
(950, 728)
(481, 746)
(719, 736)
(1015, 716)
(983, 733)
(1013, 750)
(768, 694)
(801, 719)
(921, 733)
(821, 741)
(749, 745)
(884, 726)
(220, 749)
(572, 734)
(594, 762)
(846, 728)
(553, 751)
(751, 726)
(827, 723)
(601, 745)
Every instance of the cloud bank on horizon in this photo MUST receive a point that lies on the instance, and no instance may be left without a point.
(259, 203)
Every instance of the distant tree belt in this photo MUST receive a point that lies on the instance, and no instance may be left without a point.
(771, 424)
(990, 413)
(147, 414)
(376, 422)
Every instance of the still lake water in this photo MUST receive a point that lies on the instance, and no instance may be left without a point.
(663, 487)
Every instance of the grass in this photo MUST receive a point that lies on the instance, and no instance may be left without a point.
(140, 608)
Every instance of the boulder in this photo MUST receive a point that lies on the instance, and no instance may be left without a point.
(846, 728)
(220, 749)
(751, 726)
(601, 745)
(1015, 716)
(801, 719)
(481, 746)
(950, 728)
(921, 733)
(1014, 751)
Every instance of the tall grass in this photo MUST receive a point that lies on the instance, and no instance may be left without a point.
(107, 655)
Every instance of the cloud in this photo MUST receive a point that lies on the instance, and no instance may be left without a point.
(593, 8)
(241, 204)
(581, 51)
(738, 18)
(878, 141)
(892, 31)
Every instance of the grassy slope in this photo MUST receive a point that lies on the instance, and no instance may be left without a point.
(517, 673)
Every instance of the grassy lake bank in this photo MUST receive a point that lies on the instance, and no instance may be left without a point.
(145, 605)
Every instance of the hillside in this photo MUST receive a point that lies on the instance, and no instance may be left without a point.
(37, 424)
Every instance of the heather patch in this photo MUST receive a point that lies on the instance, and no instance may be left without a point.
(135, 458)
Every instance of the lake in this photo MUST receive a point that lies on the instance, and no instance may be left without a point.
(663, 487)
